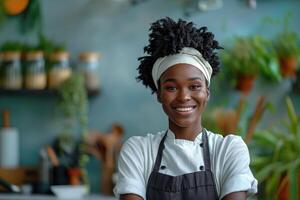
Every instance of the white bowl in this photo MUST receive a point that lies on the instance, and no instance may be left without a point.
(69, 191)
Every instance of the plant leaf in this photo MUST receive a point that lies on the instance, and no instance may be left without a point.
(292, 114)
(266, 171)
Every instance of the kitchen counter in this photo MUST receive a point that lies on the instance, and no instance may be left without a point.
(50, 197)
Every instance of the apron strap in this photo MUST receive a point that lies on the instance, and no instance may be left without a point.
(206, 154)
(159, 154)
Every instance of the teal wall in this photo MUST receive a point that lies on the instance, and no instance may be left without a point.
(119, 31)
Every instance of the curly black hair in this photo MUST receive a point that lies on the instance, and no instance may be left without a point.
(168, 37)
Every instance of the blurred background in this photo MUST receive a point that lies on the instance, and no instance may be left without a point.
(69, 96)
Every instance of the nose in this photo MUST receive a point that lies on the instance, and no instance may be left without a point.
(183, 95)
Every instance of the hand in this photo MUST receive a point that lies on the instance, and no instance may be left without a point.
(130, 197)
(235, 196)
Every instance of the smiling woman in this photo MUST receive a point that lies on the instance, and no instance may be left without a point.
(186, 161)
(183, 95)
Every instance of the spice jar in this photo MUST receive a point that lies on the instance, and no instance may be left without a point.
(11, 73)
(34, 68)
(59, 69)
(88, 66)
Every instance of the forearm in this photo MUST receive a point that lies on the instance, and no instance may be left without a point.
(235, 196)
(130, 197)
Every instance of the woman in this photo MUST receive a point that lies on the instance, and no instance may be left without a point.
(186, 161)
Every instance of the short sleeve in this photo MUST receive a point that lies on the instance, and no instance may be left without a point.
(236, 174)
(131, 170)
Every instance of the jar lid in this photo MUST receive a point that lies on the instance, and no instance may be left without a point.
(59, 55)
(33, 55)
(9, 55)
(88, 56)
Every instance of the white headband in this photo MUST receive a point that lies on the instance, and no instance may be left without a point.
(187, 55)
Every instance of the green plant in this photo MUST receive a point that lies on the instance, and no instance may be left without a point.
(48, 46)
(31, 18)
(240, 59)
(251, 56)
(287, 42)
(12, 46)
(73, 104)
(276, 153)
(266, 58)
(2, 15)
(44, 44)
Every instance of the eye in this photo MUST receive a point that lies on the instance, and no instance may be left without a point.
(195, 87)
(170, 88)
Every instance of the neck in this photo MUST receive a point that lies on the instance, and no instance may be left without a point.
(186, 133)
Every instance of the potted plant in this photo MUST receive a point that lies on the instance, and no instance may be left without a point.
(249, 58)
(73, 104)
(266, 58)
(275, 158)
(239, 64)
(287, 46)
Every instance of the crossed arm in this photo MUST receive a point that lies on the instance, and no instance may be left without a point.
(231, 196)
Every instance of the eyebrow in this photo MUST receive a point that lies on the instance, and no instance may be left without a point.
(174, 80)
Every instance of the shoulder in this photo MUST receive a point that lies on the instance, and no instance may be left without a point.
(228, 151)
(142, 146)
(143, 141)
(229, 142)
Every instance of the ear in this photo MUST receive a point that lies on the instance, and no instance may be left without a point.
(208, 93)
(158, 96)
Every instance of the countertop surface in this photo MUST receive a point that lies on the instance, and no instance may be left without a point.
(50, 197)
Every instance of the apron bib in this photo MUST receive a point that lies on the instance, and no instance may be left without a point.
(198, 185)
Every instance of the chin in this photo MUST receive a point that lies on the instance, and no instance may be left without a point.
(183, 124)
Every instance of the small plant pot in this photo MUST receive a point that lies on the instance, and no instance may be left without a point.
(245, 83)
(288, 66)
(75, 175)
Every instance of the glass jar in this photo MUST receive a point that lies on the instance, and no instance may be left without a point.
(34, 70)
(11, 73)
(59, 69)
(88, 66)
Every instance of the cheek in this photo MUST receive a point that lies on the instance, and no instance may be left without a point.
(202, 98)
(166, 98)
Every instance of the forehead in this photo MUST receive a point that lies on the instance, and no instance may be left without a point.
(182, 71)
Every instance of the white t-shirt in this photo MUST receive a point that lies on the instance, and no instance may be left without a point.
(229, 159)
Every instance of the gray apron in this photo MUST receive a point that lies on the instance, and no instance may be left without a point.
(198, 185)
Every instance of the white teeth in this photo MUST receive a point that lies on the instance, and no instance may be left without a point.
(186, 109)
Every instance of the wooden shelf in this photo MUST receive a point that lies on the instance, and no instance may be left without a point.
(44, 92)
(19, 175)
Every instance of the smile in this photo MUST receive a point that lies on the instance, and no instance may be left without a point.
(185, 109)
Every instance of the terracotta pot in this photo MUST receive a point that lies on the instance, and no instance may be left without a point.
(284, 189)
(288, 66)
(75, 175)
(15, 7)
(245, 83)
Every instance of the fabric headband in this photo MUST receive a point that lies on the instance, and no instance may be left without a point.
(187, 55)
